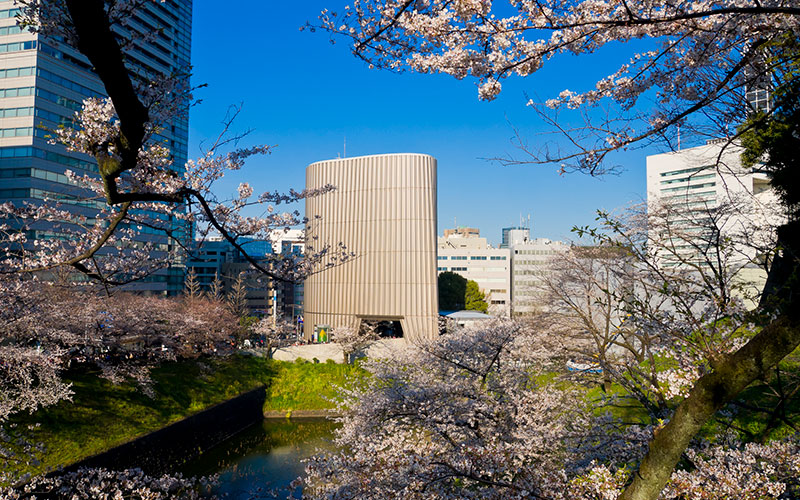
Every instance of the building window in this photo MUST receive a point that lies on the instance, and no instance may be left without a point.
(60, 100)
(442, 257)
(10, 30)
(5, 14)
(459, 269)
(17, 92)
(692, 178)
(15, 72)
(14, 112)
(499, 257)
(17, 46)
(478, 257)
(684, 171)
(459, 257)
(441, 269)
(686, 188)
(16, 132)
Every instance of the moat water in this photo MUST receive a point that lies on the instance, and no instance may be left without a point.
(265, 457)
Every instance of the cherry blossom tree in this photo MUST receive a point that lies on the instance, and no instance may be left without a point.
(700, 61)
(89, 484)
(661, 284)
(122, 335)
(45, 330)
(460, 418)
(353, 340)
(138, 185)
(275, 334)
(489, 412)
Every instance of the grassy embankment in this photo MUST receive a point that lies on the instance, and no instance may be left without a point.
(766, 410)
(102, 415)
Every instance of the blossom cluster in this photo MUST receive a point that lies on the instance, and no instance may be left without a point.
(92, 484)
(698, 59)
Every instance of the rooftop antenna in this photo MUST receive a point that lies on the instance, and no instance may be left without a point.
(455, 223)
(344, 154)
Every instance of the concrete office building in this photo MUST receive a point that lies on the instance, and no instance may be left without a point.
(464, 232)
(529, 264)
(472, 241)
(290, 296)
(693, 179)
(218, 259)
(474, 259)
(515, 236)
(384, 210)
(43, 82)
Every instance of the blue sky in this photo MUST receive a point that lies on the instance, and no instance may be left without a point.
(306, 96)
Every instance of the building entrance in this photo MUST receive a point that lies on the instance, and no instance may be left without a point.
(386, 328)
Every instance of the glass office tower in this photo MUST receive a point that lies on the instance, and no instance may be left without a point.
(43, 83)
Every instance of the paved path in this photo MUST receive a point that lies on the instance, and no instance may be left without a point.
(380, 349)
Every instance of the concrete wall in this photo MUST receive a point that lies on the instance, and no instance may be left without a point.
(384, 210)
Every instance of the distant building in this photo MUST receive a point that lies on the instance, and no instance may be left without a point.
(463, 232)
(218, 259)
(467, 318)
(452, 239)
(529, 264)
(384, 210)
(515, 236)
(702, 178)
(290, 295)
(474, 259)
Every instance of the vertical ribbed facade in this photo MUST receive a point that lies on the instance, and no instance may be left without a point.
(384, 210)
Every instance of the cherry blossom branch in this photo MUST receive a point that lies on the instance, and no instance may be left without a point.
(89, 253)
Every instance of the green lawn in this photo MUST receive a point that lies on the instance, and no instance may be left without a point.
(102, 415)
(303, 385)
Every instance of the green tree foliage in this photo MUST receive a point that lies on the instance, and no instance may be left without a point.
(474, 298)
(772, 140)
(452, 291)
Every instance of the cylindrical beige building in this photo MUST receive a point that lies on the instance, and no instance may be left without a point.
(384, 210)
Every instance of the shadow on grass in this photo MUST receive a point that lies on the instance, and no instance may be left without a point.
(102, 415)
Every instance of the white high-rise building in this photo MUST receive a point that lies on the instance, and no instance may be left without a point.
(695, 181)
(704, 176)
(515, 236)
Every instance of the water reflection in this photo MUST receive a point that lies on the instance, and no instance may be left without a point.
(264, 457)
